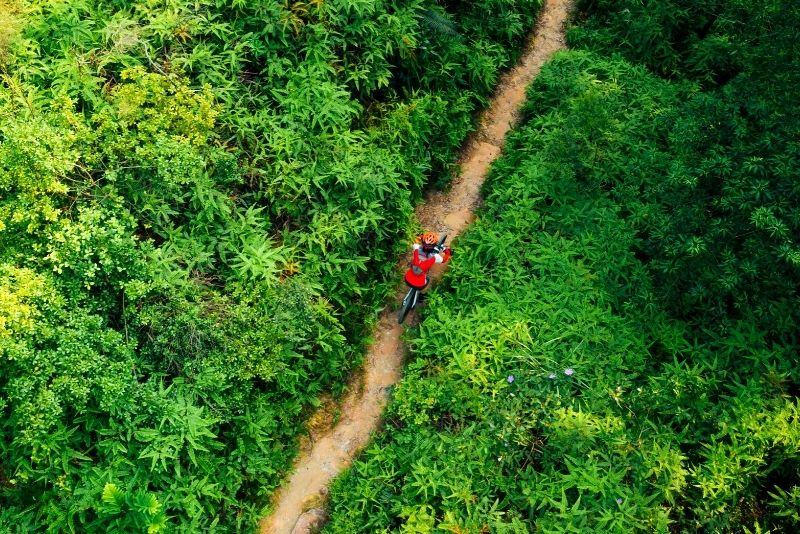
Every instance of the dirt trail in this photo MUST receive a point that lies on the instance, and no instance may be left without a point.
(297, 503)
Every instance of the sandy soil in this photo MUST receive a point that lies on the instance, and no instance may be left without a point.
(297, 505)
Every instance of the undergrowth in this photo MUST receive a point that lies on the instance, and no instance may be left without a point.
(614, 348)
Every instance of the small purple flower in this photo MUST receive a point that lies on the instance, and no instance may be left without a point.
(551, 376)
(569, 371)
(619, 500)
(510, 379)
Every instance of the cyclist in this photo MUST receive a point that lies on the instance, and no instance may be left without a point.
(427, 253)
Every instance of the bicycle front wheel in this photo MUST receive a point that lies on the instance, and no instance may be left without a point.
(405, 307)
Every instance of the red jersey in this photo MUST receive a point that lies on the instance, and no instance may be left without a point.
(421, 263)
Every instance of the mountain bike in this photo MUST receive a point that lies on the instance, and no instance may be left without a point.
(412, 297)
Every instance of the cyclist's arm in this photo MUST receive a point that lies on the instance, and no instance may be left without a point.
(426, 263)
(444, 256)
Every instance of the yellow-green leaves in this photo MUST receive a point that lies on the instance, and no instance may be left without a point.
(153, 104)
(20, 290)
(37, 155)
(131, 509)
(112, 495)
(10, 26)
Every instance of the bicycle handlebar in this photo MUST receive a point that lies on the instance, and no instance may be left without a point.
(440, 245)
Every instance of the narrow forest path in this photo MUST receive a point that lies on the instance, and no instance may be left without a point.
(451, 213)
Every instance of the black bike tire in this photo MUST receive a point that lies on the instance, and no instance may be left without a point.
(406, 307)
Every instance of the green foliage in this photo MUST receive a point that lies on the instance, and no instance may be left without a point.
(199, 209)
(569, 375)
(723, 241)
(36, 154)
(140, 510)
(659, 34)
(10, 26)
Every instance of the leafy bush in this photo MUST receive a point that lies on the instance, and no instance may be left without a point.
(559, 381)
(199, 208)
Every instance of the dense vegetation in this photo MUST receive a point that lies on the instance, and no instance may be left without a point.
(614, 348)
(199, 205)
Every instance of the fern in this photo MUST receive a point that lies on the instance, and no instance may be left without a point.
(438, 22)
